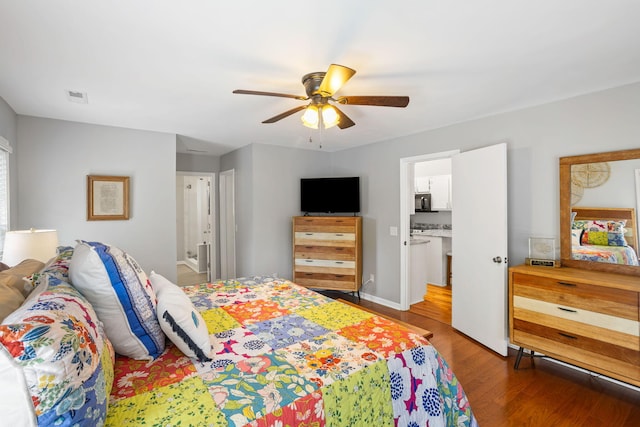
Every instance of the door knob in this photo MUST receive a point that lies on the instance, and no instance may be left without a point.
(497, 259)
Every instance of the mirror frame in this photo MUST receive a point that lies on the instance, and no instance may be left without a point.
(565, 211)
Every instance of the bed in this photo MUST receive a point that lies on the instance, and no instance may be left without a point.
(279, 355)
(605, 235)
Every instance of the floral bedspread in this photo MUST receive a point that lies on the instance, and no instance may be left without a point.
(624, 255)
(287, 356)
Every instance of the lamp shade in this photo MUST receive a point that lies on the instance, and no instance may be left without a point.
(29, 244)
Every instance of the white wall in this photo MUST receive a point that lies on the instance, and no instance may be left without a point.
(56, 157)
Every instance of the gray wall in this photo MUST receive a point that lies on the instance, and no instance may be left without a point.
(8, 129)
(241, 162)
(536, 137)
(55, 158)
(267, 196)
(267, 179)
(197, 163)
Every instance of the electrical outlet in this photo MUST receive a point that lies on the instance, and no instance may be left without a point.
(372, 278)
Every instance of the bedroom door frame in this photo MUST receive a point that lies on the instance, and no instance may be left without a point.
(227, 225)
(211, 268)
(407, 188)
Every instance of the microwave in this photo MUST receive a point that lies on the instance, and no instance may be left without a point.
(423, 202)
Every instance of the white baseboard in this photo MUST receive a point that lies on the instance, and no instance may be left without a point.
(381, 301)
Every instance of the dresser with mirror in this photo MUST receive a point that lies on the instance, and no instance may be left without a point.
(587, 312)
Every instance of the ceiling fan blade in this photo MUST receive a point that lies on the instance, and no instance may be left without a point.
(336, 76)
(281, 95)
(285, 114)
(345, 121)
(381, 101)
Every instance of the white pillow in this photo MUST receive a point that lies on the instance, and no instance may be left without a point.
(179, 319)
(121, 295)
(16, 405)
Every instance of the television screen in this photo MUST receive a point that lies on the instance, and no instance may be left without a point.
(330, 195)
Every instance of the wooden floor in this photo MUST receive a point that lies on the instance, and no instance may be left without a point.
(187, 276)
(436, 304)
(542, 393)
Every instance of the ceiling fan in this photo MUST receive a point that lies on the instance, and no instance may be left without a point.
(320, 88)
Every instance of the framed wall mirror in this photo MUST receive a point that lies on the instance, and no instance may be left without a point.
(599, 204)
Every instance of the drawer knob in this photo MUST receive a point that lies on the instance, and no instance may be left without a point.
(308, 234)
(339, 262)
(308, 260)
(573, 285)
(339, 234)
(568, 336)
(568, 310)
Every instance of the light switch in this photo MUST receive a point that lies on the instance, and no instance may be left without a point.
(393, 231)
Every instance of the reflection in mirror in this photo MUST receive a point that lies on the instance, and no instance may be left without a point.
(608, 234)
(599, 202)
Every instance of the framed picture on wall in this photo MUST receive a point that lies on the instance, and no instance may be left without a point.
(107, 198)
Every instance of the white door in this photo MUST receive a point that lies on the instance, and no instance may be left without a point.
(227, 225)
(479, 245)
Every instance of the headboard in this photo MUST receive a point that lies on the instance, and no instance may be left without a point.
(618, 214)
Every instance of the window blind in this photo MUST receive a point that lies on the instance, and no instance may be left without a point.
(5, 150)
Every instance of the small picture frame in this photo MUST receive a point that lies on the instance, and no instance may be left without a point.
(107, 198)
(542, 248)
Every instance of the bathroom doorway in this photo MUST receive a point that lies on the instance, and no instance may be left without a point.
(195, 224)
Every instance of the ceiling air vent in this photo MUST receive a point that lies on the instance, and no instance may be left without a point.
(78, 97)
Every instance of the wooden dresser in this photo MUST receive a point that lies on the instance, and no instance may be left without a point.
(586, 318)
(327, 252)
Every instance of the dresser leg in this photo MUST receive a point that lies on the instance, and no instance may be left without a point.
(518, 358)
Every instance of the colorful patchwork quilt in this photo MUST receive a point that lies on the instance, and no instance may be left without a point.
(624, 255)
(287, 356)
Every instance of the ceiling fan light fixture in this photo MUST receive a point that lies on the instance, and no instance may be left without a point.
(311, 117)
(330, 117)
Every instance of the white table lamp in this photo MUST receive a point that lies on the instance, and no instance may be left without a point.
(29, 244)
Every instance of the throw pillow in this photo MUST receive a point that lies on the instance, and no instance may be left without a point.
(121, 294)
(14, 276)
(179, 319)
(602, 232)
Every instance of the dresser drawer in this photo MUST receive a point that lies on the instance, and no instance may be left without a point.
(335, 224)
(309, 238)
(326, 280)
(576, 323)
(325, 263)
(626, 370)
(325, 252)
(594, 340)
(614, 302)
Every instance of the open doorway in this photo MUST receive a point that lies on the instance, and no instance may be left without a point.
(195, 196)
(412, 220)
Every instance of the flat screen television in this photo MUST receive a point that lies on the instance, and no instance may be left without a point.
(330, 195)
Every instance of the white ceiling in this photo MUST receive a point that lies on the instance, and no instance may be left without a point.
(170, 66)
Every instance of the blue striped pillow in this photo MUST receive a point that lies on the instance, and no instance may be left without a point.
(121, 295)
